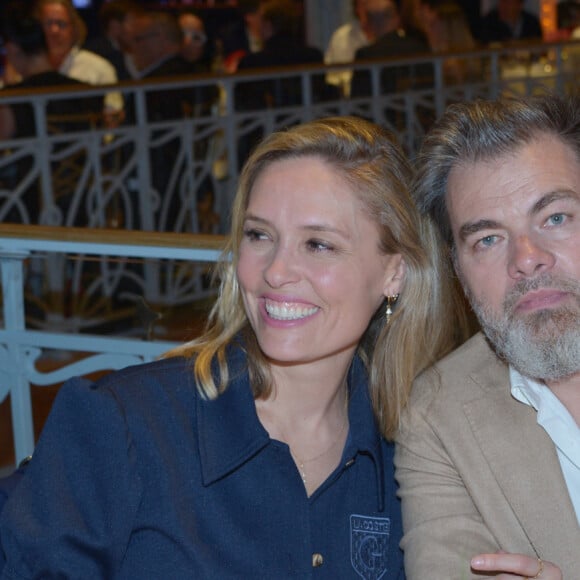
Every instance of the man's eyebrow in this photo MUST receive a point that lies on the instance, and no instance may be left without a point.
(551, 197)
(471, 228)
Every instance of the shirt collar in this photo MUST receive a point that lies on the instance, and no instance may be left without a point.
(66, 64)
(230, 432)
(526, 390)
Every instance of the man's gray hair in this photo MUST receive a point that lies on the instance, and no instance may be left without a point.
(485, 130)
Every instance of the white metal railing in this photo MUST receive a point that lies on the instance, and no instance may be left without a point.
(180, 174)
(21, 347)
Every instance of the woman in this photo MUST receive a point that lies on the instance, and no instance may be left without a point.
(252, 452)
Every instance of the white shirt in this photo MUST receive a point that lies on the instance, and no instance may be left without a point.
(343, 44)
(86, 66)
(558, 423)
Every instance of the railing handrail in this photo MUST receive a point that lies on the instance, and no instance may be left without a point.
(9, 94)
(137, 243)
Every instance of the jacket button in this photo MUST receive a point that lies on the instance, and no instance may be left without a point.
(317, 560)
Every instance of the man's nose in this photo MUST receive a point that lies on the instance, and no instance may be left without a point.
(529, 257)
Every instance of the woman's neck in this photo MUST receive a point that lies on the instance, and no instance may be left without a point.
(309, 412)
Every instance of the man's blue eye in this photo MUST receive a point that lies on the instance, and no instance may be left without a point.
(557, 219)
(488, 240)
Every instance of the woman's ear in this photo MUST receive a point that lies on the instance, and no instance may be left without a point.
(395, 275)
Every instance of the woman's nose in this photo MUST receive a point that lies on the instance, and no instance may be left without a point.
(281, 268)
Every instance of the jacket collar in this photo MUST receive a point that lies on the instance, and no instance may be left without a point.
(230, 433)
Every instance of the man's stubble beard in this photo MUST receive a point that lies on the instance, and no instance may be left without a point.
(544, 344)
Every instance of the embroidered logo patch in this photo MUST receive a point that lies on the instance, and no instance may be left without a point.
(369, 546)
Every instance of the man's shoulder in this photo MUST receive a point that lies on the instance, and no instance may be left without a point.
(392, 44)
(173, 66)
(472, 366)
(468, 356)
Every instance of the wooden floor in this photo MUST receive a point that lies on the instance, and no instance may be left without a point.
(171, 328)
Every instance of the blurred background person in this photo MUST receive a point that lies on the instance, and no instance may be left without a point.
(65, 34)
(281, 40)
(509, 21)
(391, 40)
(114, 42)
(156, 45)
(344, 43)
(446, 29)
(242, 36)
(27, 53)
(282, 45)
(195, 47)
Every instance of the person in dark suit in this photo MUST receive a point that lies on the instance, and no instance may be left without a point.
(282, 47)
(157, 42)
(242, 35)
(113, 42)
(391, 41)
(156, 46)
(509, 21)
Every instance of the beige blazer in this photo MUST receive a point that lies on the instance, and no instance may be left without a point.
(478, 474)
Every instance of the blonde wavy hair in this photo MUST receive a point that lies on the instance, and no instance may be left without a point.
(427, 320)
(78, 24)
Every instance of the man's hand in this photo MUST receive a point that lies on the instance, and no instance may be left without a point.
(516, 566)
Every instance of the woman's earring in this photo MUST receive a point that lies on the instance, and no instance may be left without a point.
(391, 301)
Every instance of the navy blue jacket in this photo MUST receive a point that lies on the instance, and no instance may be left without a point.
(136, 476)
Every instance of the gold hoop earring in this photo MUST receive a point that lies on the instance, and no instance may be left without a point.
(391, 301)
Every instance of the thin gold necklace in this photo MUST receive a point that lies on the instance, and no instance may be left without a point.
(302, 462)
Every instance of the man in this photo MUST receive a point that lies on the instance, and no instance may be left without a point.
(488, 455)
(113, 44)
(509, 21)
(241, 36)
(391, 40)
(282, 46)
(344, 43)
(157, 41)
